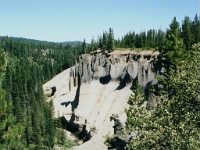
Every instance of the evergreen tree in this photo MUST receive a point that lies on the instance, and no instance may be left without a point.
(50, 125)
(173, 121)
(10, 133)
(92, 45)
(105, 41)
(196, 29)
(28, 131)
(2, 63)
(100, 42)
(186, 32)
(160, 39)
(154, 38)
(173, 50)
(36, 136)
(110, 44)
(150, 41)
(173, 124)
(84, 50)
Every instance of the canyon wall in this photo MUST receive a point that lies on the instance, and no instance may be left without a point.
(121, 67)
(86, 95)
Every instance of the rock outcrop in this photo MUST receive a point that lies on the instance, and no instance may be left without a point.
(87, 94)
(118, 67)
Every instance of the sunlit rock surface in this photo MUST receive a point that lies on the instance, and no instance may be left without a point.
(86, 95)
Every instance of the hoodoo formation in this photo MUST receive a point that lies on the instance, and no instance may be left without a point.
(86, 95)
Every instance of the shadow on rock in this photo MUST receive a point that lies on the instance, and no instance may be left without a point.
(123, 82)
(75, 102)
(53, 90)
(105, 79)
(65, 103)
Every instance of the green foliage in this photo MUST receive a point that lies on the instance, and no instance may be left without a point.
(61, 139)
(187, 33)
(173, 51)
(2, 63)
(84, 49)
(196, 29)
(29, 65)
(174, 123)
(111, 141)
(10, 133)
(110, 44)
(69, 144)
(190, 34)
(26, 120)
(105, 42)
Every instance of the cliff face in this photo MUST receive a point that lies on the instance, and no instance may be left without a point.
(86, 95)
(122, 67)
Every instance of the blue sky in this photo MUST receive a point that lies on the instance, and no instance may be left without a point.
(69, 20)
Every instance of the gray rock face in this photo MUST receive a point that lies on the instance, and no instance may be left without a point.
(117, 70)
(50, 91)
(117, 66)
(145, 71)
(85, 69)
(132, 69)
(100, 68)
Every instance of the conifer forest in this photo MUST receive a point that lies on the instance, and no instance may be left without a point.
(27, 120)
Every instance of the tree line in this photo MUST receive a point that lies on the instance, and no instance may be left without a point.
(189, 31)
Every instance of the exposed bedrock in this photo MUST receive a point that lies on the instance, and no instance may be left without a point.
(50, 91)
(83, 96)
(118, 67)
(84, 69)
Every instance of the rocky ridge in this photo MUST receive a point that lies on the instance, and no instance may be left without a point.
(117, 67)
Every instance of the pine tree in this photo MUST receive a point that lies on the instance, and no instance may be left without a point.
(173, 124)
(2, 63)
(110, 44)
(100, 43)
(154, 38)
(7, 82)
(186, 32)
(50, 124)
(196, 29)
(150, 38)
(104, 41)
(92, 45)
(173, 49)
(10, 133)
(28, 131)
(160, 38)
(18, 110)
(84, 50)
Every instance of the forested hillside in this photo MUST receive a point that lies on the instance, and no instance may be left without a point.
(26, 119)
(29, 64)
